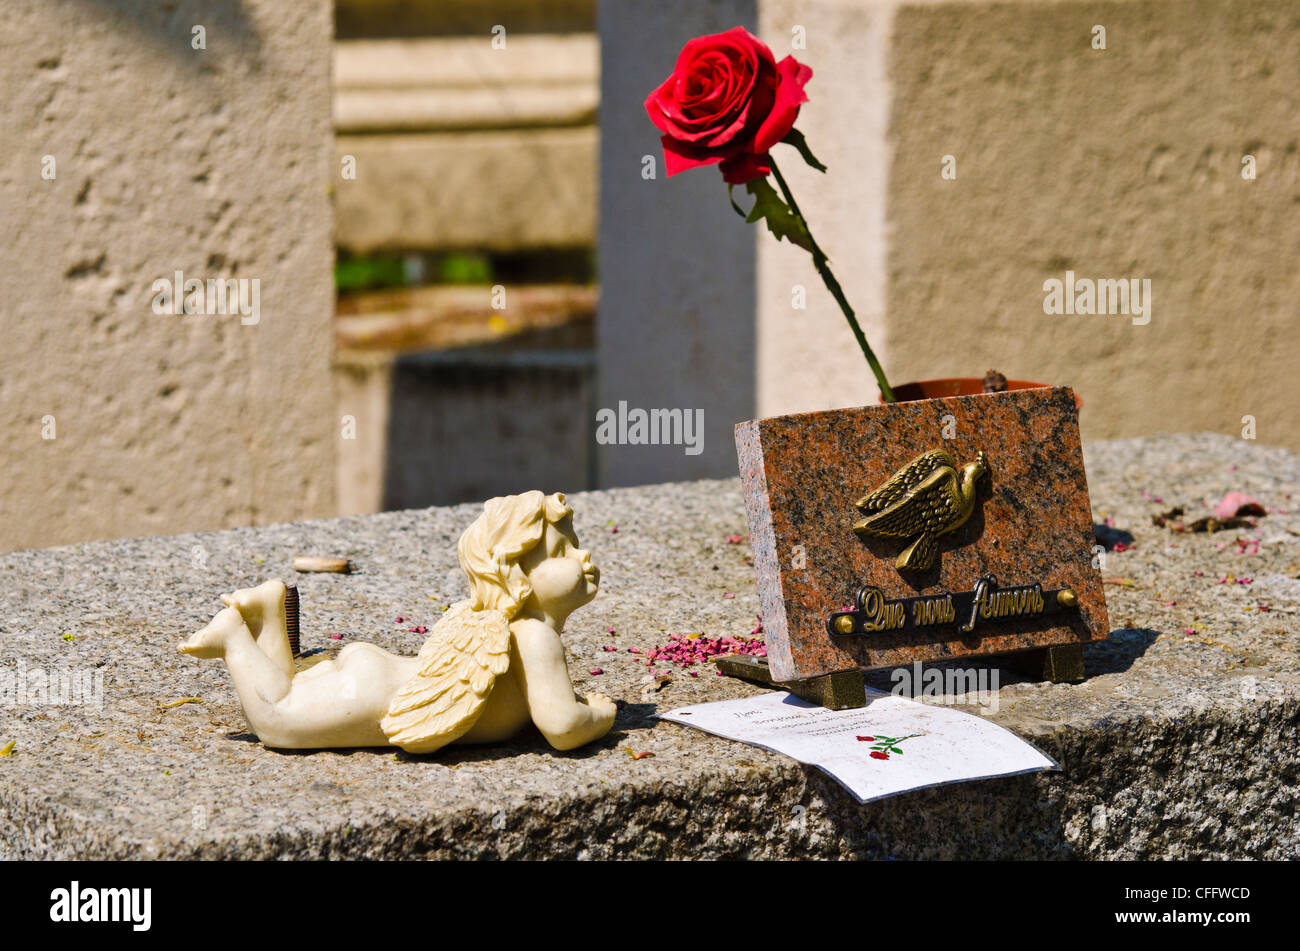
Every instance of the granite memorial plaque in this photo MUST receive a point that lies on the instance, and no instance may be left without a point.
(921, 531)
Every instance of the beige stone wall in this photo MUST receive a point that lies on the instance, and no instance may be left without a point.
(1117, 163)
(214, 162)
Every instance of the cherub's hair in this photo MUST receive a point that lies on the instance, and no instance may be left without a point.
(490, 549)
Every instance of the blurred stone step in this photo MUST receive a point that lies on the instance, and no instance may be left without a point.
(456, 144)
(445, 316)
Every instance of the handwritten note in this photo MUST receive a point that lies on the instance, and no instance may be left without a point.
(890, 746)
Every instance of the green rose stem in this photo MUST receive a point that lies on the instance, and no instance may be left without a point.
(822, 264)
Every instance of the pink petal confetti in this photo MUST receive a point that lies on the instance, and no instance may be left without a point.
(609, 649)
(418, 629)
(336, 637)
(1170, 604)
(595, 671)
(1189, 630)
(687, 650)
(734, 539)
(730, 594)
(609, 630)
(399, 620)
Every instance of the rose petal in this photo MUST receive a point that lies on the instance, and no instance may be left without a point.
(793, 77)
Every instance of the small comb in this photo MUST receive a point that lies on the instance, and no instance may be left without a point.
(291, 617)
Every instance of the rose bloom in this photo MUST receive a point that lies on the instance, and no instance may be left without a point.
(728, 100)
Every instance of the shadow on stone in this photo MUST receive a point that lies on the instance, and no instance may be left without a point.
(227, 25)
(1117, 653)
(1108, 536)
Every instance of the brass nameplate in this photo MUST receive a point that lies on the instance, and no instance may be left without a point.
(873, 612)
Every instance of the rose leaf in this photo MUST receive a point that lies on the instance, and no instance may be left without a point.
(781, 221)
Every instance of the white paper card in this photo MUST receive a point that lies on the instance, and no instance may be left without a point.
(915, 744)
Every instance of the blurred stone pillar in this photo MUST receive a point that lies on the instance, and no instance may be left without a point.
(143, 139)
(675, 328)
(699, 308)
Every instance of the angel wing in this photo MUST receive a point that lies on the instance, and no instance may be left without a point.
(929, 508)
(459, 663)
(906, 479)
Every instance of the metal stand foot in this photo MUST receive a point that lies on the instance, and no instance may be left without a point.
(1058, 665)
(841, 690)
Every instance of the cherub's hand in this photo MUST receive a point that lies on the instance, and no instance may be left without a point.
(604, 708)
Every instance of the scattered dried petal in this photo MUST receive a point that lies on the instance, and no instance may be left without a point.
(1236, 504)
(177, 703)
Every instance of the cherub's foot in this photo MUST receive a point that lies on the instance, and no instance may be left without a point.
(211, 641)
(258, 605)
(604, 708)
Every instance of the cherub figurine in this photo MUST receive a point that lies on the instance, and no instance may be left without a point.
(489, 666)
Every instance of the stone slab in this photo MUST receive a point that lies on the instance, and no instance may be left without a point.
(1177, 745)
(496, 190)
(1032, 524)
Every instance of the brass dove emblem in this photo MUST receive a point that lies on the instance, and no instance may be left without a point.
(928, 497)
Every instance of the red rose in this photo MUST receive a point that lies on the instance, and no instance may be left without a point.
(728, 100)
(876, 754)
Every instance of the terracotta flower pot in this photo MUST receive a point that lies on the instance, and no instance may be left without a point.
(956, 386)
